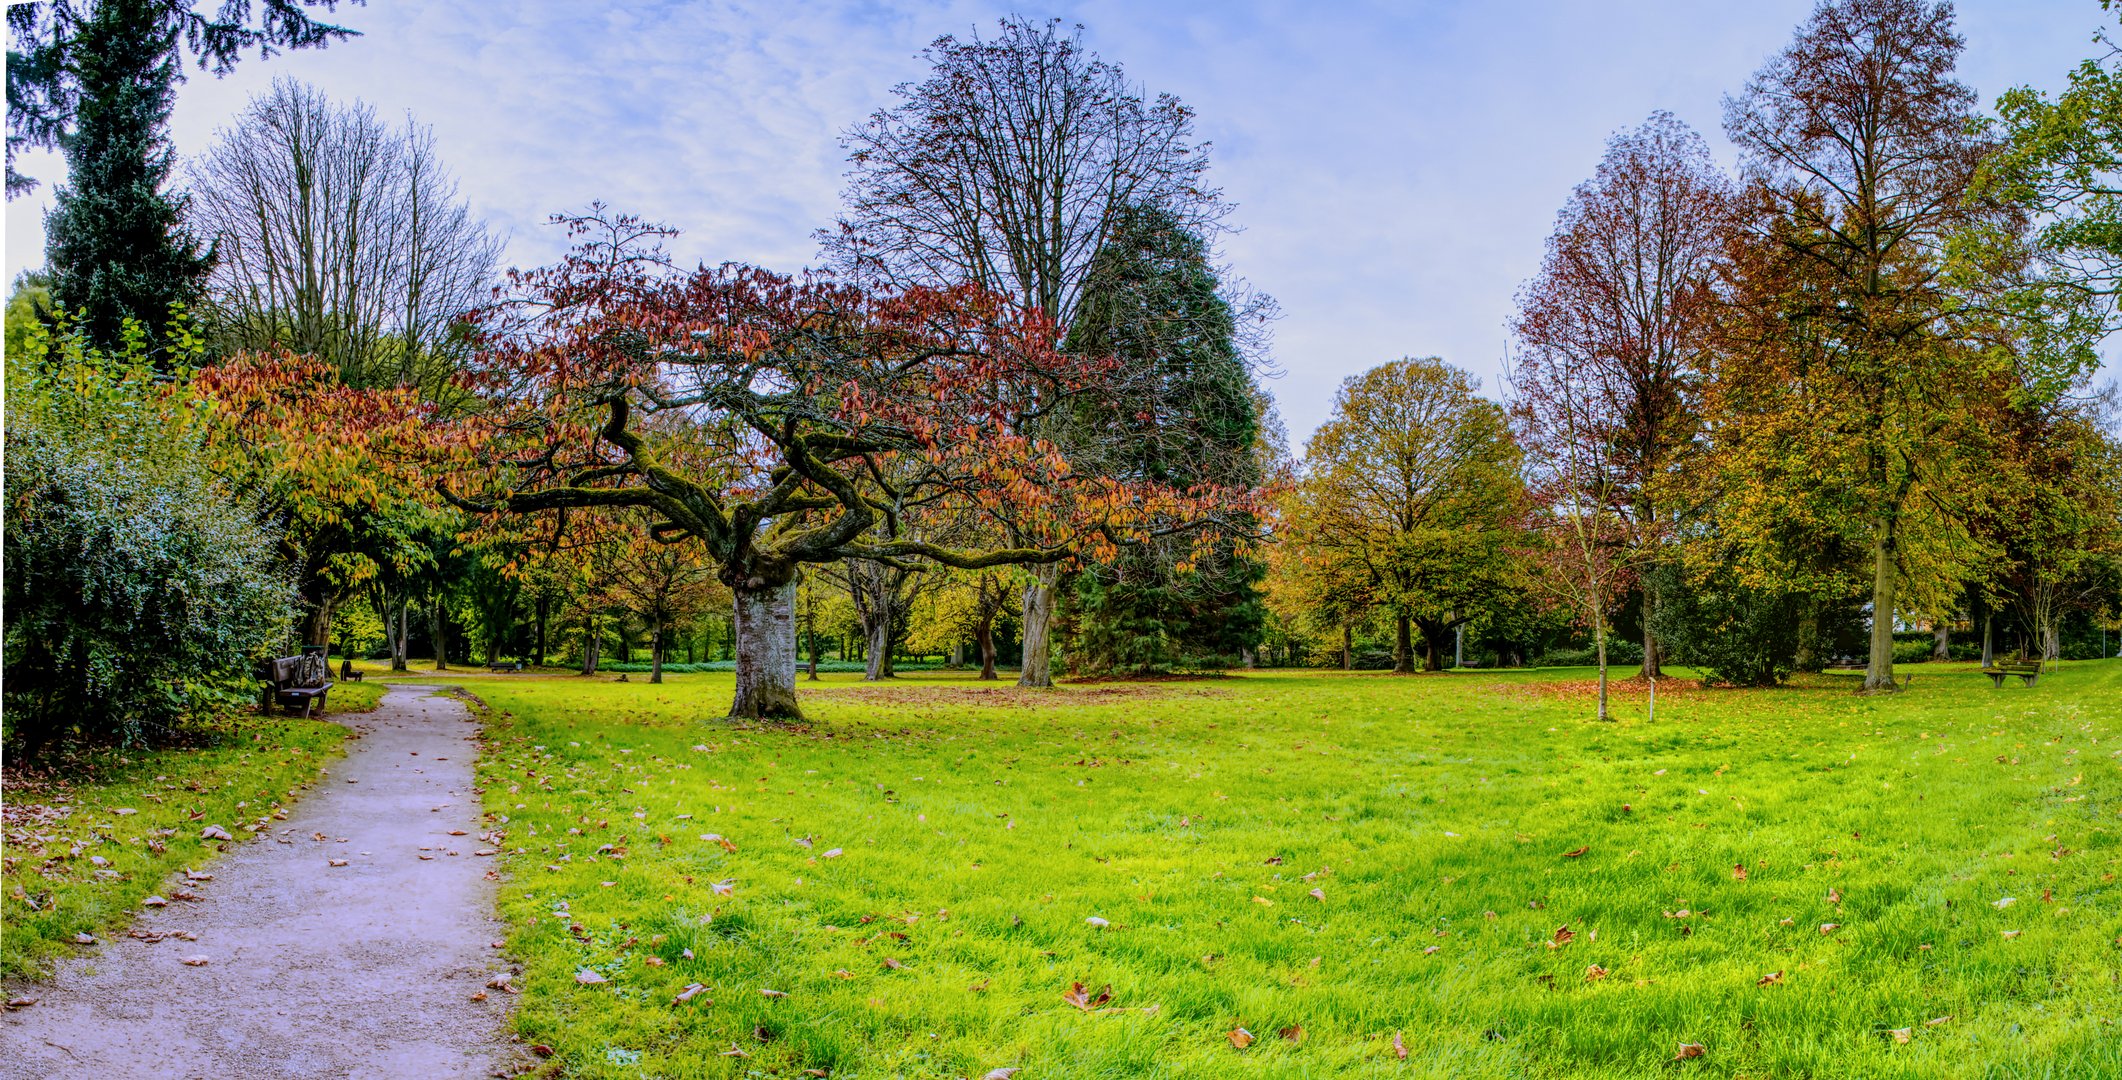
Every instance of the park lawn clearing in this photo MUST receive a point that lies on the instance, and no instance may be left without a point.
(1288, 874)
(142, 813)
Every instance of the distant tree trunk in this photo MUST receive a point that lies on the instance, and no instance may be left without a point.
(544, 608)
(592, 644)
(766, 653)
(655, 654)
(1989, 654)
(878, 631)
(985, 635)
(957, 655)
(1403, 645)
(1599, 632)
(435, 625)
(1941, 635)
(1808, 654)
(1038, 668)
(1246, 656)
(1348, 647)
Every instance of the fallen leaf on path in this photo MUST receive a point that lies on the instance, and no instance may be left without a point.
(21, 1002)
(84, 939)
(479, 996)
(195, 961)
(336, 862)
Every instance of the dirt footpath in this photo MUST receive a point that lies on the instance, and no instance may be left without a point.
(312, 970)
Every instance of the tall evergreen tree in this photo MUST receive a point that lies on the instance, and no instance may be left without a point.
(1154, 302)
(115, 241)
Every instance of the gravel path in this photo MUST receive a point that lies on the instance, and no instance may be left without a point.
(312, 970)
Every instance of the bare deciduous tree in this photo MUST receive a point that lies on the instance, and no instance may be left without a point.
(341, 237)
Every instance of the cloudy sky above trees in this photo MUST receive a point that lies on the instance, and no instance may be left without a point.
(1396, 166)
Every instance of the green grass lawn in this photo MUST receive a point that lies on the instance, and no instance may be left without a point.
(85, 843)
(962, 838)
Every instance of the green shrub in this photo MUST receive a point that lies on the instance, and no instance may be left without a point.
(1739, 635)
(137, 591)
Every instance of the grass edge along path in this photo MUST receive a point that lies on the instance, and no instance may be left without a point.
(80, 852)
(1798, 882)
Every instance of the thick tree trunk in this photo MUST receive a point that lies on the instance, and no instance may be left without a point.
(766, 653)
(1989, 654)
(655, 653)
(1879, 674)
(985, 635)
(1038, 669)
(317, 626)
(435, 623)
(879, 632)
(1941, 637)
(1348, 647)
(1403, 646)
(592, 644)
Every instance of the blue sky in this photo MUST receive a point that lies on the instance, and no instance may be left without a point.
(1396, 166)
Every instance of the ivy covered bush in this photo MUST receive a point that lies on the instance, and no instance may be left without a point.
(137, 589)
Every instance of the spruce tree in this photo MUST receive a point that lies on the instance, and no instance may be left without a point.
(1192, 416)
(115, 242)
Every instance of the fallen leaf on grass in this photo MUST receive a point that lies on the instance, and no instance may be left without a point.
(2010, 934)
(1003, 1073)
(1318, 894)
(725, 887)
(541, 1050)
(1399, 1047)
(763, 992)
(1770, 979)
(891, 964)
(1563, 936)
(1240, 1038)
(1431, 949)
(586, 977)
(717, 838)
(1263, 901)
(691, 991)
(1087, 1001)
(1097, 923)
(214, 832)
(1688, 1050)
(735, 1051)
(1577, 853)
(1738, 872)
(1294, 1033)
(1829, 928)
(1834, 897)
(831, 853)
(154, 901)
(1902, 1035)
(1936, 1020)
(1594, 973)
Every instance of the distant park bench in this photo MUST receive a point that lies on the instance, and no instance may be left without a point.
(288, 681)
(505, 665)
(347, 672)
(2027, 670)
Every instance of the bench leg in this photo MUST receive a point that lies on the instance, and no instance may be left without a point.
(1996, 679)
(2029, 679)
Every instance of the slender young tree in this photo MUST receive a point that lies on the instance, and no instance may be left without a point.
(1613, 336)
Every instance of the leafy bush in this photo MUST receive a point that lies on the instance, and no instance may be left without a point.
(1620, 652)
(136, 591)
(1741, 636)
(826, 667)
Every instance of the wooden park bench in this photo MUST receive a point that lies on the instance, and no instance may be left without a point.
(347, 672)
(2027, 671)
(288, 681)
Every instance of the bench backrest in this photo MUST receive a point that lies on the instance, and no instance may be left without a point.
(293, 672)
